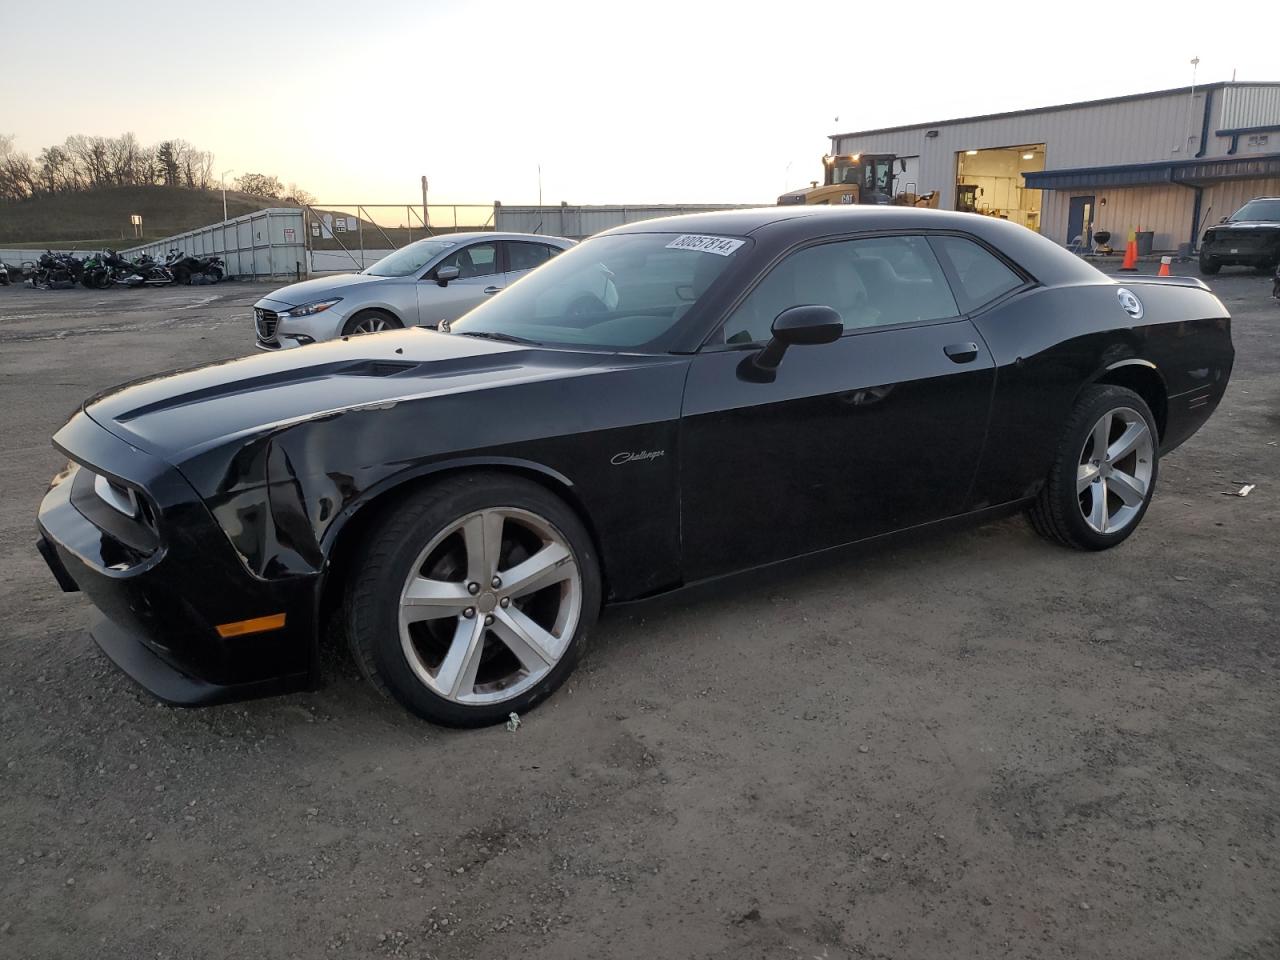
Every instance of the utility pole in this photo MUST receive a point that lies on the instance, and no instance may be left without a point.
(426, 219)
(223, 178)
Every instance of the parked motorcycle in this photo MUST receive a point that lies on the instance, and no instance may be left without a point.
(145, 271)
(53, 271)
(4, 274)
(195, 270)
(96, 275)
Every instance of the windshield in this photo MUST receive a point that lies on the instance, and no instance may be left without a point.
(619, 292)
(1258, 210)
(409, 259)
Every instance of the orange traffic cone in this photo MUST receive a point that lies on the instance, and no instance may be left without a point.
(1130, 264)
(1164, 266)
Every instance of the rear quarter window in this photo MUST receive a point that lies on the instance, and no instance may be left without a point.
(979, 276)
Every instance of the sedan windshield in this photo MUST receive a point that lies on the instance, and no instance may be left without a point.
(410, 259)
(1258, 210)
(619, 292)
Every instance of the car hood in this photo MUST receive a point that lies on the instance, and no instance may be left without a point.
(179, 415)
(1242, 225)
(321, 288)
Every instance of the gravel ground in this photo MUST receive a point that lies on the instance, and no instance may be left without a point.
(976, 746)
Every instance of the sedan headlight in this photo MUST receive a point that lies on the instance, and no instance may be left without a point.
(310, 309)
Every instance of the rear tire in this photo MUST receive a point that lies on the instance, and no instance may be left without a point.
(1104, 474)
(431, 621)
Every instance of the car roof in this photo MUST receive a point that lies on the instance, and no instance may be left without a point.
(818, 217)
(779, 227)
(496, 235)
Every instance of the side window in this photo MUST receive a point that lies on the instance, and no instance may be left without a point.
(477, 260)
(526, 256)
(981, 277)
(871, 283)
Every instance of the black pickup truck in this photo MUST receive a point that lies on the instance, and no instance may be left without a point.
(1250, 237)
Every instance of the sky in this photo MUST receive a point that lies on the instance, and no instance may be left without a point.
(697, 101)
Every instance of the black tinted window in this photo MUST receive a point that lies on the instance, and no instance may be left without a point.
(870, 283)
(477, 260)
(526, 256)
(982, 277)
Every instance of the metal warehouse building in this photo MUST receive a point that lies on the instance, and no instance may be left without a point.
(1168, 162)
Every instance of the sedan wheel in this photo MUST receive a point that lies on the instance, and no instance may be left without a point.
(370, 322)
(1115, 469)
(472, 599)
(1101, 483)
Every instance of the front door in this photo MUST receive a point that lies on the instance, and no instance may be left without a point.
(480, 276)
(1080, 221)
(879, 431)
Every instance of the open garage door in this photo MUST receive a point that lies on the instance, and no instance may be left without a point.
(991, 182)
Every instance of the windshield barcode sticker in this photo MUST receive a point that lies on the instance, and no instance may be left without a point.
(721, 246)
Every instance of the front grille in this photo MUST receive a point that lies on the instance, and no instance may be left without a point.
(265, 321)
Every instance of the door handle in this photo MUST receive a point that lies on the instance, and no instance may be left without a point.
(961, 352)
(490, 291)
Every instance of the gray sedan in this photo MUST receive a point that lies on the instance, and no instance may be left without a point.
(439, 278)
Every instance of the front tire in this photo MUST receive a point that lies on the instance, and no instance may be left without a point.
(473, 599)
(1104, 474)
(370, 321)
(1209, 267)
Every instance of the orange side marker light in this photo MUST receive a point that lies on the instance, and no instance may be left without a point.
(257, 625)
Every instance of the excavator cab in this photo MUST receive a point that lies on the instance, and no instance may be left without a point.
(871, 173)
(856, 178)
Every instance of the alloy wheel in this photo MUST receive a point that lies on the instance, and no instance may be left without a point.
(490, 606)
(371, 324)
(1113, 479)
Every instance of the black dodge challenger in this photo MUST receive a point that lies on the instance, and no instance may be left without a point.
(669, 402)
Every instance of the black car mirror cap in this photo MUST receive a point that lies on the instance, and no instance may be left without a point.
(445, 274)
(808, 325)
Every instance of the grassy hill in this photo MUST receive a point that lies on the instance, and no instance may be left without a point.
(101, 217)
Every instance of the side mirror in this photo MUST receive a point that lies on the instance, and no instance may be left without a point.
(445, 274)
(806, 325)
(1223, 220)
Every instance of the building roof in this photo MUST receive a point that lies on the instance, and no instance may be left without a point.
(1061, 106)
(1189, 171)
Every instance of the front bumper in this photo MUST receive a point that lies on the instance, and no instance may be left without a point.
(1246, 251)
(274, 332)
(164, 599)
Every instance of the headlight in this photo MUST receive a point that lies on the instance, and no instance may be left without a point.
(310, 309)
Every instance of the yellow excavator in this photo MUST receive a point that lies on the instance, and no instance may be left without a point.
(859, 178)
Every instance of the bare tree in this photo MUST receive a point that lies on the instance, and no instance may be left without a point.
(84, 162)
(17, 172)
(259, 185)
(298, 195)
(57, 170)
(123, 155)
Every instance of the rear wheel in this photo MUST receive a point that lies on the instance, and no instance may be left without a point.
(473, 599)
(1105, 472)
(370, 321)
